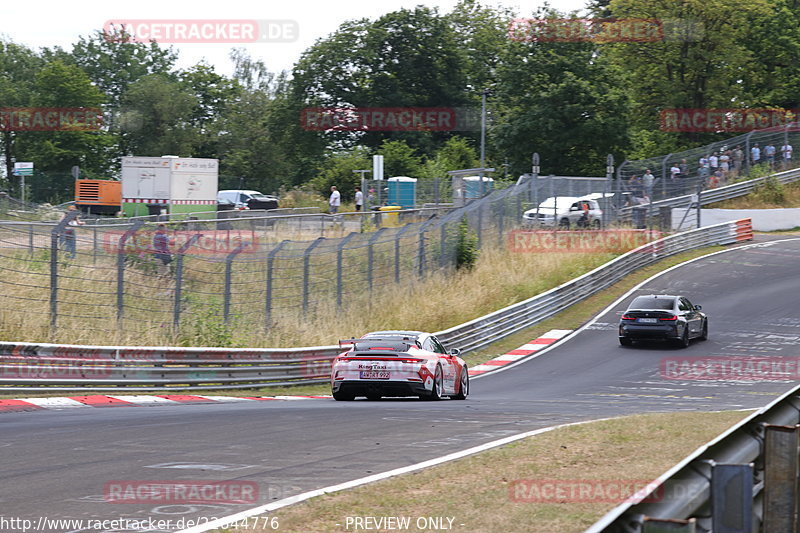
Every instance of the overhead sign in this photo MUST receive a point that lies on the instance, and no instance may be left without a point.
(23, 169)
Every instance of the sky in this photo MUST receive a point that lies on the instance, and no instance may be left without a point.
(39, 23)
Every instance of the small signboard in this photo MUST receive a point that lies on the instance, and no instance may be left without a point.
(23, 169)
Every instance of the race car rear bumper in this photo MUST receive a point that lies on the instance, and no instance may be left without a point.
(383, 388)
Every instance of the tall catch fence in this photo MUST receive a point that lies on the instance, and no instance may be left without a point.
(244, 272)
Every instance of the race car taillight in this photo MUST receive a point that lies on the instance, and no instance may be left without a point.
(669, 318)
(412, 360)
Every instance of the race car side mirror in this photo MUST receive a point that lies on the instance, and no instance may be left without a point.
(455, 352)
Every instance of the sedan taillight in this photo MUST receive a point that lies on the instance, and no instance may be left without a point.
(669, 318)
(627, 317)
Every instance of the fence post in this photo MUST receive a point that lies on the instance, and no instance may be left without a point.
(398, 236)
(480, 225)
(780, 478)
(370, 256)
(55, 234)
(268, 303)
(306, 267)
(502, 215)
(30, 238)
(421, 250)
(747, 159)
(121, 267)
(94, 246)
(226, 303)
(607, 188)
(176, 312)
(664, 175)
(339, 248)
(442, 244)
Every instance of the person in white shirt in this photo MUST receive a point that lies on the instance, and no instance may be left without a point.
(335, 200)
(359, 199)
(786, 154)
(755, 154)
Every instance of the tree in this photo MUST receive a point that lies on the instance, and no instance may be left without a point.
(113, 63)
(339, 169)
(157, 118)
(457, 153)
(562, 100)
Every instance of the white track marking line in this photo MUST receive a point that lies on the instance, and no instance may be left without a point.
(225, 521)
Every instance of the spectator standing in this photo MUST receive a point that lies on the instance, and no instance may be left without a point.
(755, 155)
(359, 199)
(161, 244)
(648, 180)
(769, 155)
(68, 237)
(738, 157)
(786, 154)
(713, 163)
(684, 169)
(725, 161)
(674, 177)
(703, 168)
(334, 201)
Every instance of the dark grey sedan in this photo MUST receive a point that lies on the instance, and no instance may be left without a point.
(662, 317)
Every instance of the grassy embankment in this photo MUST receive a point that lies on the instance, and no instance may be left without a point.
(479, 492)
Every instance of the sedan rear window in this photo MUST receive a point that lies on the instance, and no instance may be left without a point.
(648, 302)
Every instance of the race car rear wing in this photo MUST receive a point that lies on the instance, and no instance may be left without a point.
(377, 344)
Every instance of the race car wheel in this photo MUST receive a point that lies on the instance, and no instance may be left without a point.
(704, 336)
(342, 397)
(438, 385)
(463, 388)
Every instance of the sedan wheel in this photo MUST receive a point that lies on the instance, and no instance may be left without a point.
(684, 341)
(704, 336)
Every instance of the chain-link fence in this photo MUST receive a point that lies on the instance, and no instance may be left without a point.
(248, 272)
(753, 154)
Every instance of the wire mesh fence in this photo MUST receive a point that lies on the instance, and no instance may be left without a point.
(249, 272)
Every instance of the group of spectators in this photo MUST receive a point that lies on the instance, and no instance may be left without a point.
(714, 169)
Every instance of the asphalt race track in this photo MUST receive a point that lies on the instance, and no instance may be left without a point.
(56, 463)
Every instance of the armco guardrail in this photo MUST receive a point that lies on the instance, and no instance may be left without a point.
(749, 473)
(27, 366)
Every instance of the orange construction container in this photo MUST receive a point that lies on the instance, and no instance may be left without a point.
(98, 196)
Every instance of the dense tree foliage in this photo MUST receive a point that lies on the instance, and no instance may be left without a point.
(572, 100)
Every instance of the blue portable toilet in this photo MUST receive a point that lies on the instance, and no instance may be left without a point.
(402, 191)
(473, 188)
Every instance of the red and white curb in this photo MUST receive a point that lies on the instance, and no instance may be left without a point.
(34, 404)
(523, 351)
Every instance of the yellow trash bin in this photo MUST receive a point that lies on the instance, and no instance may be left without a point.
(391, 217)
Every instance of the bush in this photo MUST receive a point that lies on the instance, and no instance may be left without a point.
(466, 246)
(770, 191)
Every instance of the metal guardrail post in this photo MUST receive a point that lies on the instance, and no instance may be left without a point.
(732, 498)
(371, 256)
(226, 297)
(306, 269)
(339, 259)
(55, 235)
(268, 299)
(176, 310)
(397, 238)
(121, 266)
(780, 478)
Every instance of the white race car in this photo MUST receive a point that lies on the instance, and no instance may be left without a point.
(398, 363)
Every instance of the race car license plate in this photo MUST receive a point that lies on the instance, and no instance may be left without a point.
(648, 320)
(372, 374)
